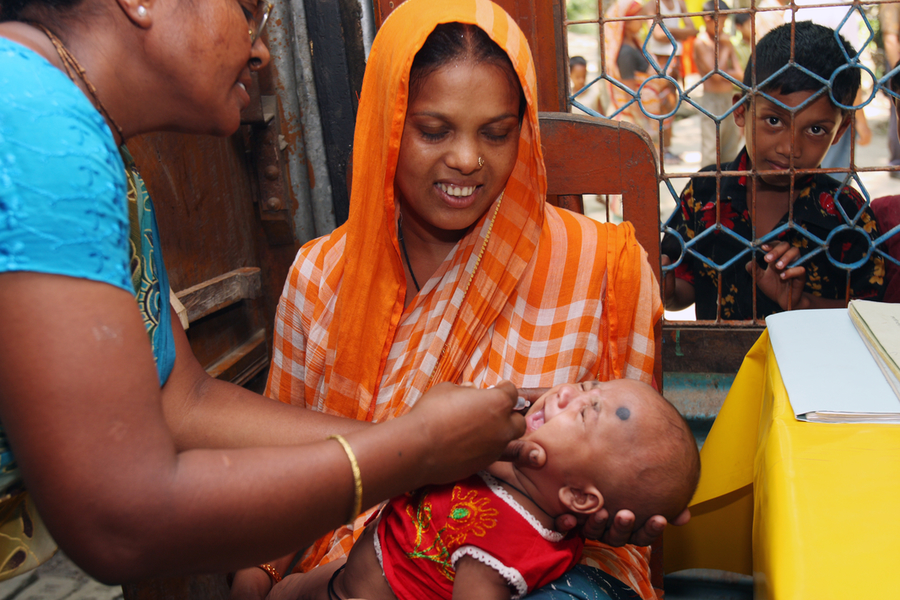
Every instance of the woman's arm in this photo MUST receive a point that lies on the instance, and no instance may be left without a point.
(203, 412)
(80, 402)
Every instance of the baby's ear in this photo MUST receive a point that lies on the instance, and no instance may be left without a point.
(583, 501)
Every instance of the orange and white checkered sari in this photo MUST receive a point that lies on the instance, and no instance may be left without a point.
(533, 294)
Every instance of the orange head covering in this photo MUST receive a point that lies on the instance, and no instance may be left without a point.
(373, 286)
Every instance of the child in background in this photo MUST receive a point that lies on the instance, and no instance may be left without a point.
(741, 40)
(615, 445)
(577, 73)
(776, 142)
(578, 70)
(717, 91)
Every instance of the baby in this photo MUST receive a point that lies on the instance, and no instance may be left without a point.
(618, 445)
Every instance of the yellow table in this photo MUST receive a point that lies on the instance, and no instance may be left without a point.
(810, 510)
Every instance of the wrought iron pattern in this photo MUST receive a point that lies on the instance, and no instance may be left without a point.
(689, 95)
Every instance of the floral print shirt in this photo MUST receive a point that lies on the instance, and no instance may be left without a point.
(815, 213)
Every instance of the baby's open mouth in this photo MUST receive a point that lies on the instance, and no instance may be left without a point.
(534, 420)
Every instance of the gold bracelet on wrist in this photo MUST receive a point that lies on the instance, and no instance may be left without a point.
(357, 479)
(271, 571)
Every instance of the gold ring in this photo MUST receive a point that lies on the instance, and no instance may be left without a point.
(480, 162)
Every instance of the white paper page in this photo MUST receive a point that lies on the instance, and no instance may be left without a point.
(825, 365)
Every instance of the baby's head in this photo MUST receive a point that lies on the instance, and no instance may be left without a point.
(618, 445)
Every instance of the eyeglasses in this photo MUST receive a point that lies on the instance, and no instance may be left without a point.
(258, 22)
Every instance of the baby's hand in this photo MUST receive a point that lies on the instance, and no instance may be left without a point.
(779, 281)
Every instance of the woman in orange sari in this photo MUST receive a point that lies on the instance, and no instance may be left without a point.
(452, 267)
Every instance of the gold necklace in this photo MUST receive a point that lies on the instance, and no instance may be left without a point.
(71, 64)
(484, 244)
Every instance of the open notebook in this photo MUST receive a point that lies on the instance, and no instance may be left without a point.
(829, 373)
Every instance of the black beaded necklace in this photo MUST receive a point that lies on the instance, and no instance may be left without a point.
(405, 253)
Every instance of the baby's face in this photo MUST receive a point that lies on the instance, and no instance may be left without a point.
(589, 428)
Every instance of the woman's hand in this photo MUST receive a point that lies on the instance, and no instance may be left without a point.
(467, 429)
(621, 531)
(250, 584)
(305, 585)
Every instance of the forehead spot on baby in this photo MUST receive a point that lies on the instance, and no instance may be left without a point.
(623, 413)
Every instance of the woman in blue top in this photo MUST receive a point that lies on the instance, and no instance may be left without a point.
(139, 463)
(118, 436)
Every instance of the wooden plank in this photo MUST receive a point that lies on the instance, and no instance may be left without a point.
(703, 349)
(217, 293)
(242, 363)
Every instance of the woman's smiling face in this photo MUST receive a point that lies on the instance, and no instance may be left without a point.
(207, 48)
(463, 111)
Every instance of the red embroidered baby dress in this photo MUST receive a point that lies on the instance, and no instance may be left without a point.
(422, 535)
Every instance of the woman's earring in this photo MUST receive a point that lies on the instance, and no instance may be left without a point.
(480, 162)
(142, 11)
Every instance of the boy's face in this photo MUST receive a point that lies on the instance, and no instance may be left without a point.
(591, 428)
(744, 28)
(769, 133)
(578, 75)
(711, 26)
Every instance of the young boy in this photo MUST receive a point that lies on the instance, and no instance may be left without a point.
(717, 91)
(615, 445)
(743, 47)
(776, 142)
(577, 72)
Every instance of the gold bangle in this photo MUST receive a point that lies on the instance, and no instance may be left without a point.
(273, 573)
(357, 479)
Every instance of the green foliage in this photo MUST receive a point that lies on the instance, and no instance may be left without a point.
(577, 10)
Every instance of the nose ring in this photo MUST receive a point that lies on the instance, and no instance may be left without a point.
(480, 162)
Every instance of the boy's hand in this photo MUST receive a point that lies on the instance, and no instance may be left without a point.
(679, 293)
(668, 279)
(779, 281)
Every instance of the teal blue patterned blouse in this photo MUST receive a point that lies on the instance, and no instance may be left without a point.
(69, 205)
